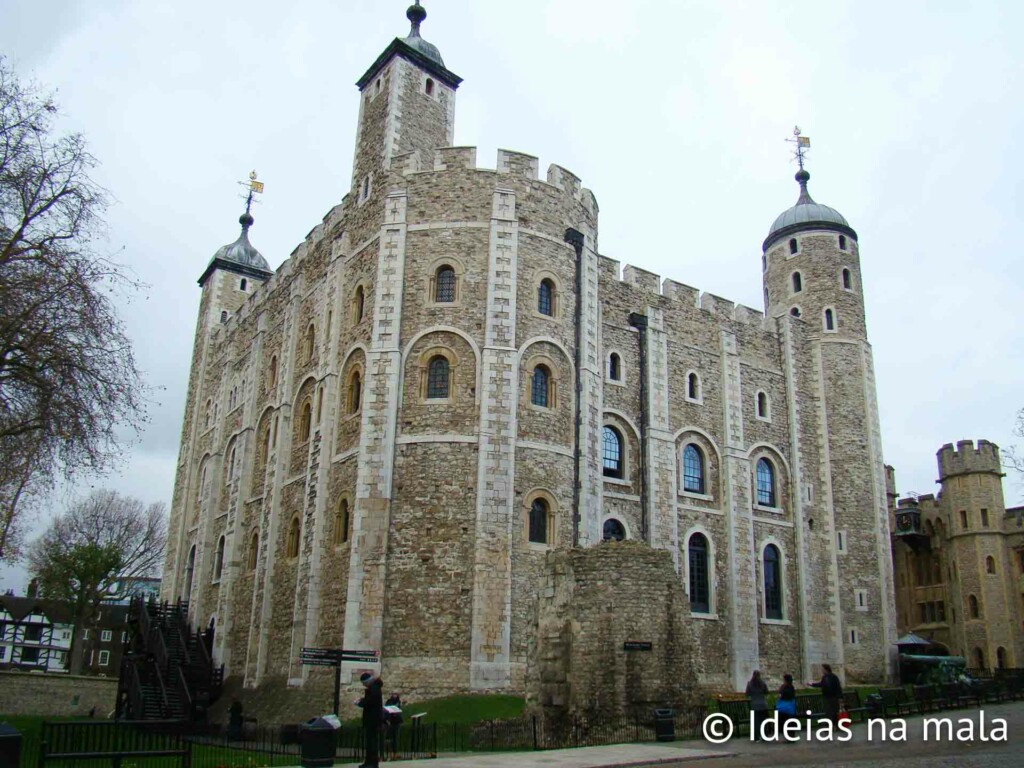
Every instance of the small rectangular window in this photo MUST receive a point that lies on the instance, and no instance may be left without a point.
(853, 637)
(984, 518)
(106, 636)
(861, 597)
(3, 651)
(104, 658)
(841, 541)
(963, 519)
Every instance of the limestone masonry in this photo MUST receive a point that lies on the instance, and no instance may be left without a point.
(392, 441)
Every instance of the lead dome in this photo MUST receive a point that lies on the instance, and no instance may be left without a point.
(242, 251)
(806, 211)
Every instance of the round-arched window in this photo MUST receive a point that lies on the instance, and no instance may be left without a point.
(613, 530)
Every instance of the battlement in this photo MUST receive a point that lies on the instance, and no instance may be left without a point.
(965, 458)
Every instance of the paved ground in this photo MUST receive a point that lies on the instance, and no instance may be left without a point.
(913, 751)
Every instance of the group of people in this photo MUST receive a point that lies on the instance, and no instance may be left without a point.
(757, 692)
(379, 724)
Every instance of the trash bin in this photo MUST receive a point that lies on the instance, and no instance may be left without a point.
(10, 746)
(664, 724)
(317, 740)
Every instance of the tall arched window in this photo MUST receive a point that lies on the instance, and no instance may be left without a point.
(979, 658)
(693, 387)
(358, 304)
(1001, 657)
(700, 587)
(830, 321)
(842, 242)
(693, 469)
(793, 245)
(972, 605)
(990, 564)
(272, 373)
(614, 367)
(765, 483)
(762, 405)
(292, 545)
(341, 523)
(218, 563)
(310, 341)
(612, 452)
(798, 282)
(429, 87)
(438, 378)
(190, 567)
(444, 287)
(538, 532)
(847, 279)
(613, 530)
(306, 422)
(546, 297)
(254, 550)
(243, 285)
(772, 583)
(540, 387)
(355, 392)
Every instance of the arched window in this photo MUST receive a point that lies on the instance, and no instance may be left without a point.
(990, 564)
(292, 545)
(613, 530)
(979, 658)
(765, 483)
(429, 87)
(272, 373)
(842, 242)
(795, 311)
(444, 285)
(540, 387)
(254, 550)
(700, 587)
(798, 282)
(218, 563)
(358, 304)
(762, 405)
(793, 245)
(190, 567)
(538, 528)
(341, 523)
(612, 452)
(1001, 657)
(614, 367)
(224, 316)
(310, 341)
(693, 469)
(438, 378)
(772, 583)
(546, 297)
(693, 387)
(830, 323)
(355, 392)
(306, 422)
(231, 462)
(847, 279)
(972, 605)
(243, 285)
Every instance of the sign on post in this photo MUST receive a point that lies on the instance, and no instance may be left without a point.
(333, 657)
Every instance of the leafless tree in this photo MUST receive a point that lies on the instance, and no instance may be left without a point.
(1013, 458)
(68, 378)
(95, 551)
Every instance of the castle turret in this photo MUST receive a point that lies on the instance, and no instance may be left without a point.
(812, 287)
(985, 594)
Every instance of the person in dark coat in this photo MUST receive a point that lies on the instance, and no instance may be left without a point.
(831, 693)
(373, 717)
(394, 724)
(786, 704)
(757, 689)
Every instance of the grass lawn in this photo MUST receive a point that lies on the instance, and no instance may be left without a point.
(467, 709)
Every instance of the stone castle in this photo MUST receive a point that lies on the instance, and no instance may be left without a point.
(389, 439)
(959, 560)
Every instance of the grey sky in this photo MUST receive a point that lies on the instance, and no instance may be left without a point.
(673, 113)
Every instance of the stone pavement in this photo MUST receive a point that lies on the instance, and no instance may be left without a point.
(614, 756)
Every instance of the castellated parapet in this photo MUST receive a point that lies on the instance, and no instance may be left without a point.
(389, 441)
(966, 459)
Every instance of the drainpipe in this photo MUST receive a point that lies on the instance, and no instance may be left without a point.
(639, 322)
(575, 238)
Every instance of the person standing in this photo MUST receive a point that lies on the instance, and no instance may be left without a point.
(831, 693)
(394, 723)
(786, 705)
(757, 690)
(373, 717)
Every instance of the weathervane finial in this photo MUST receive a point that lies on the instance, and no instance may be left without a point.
(416, 14)
(254, 188)
(802, 143)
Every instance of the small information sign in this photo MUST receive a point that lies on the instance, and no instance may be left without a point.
(636, 645)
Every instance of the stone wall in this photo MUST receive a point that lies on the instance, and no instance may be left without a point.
(25, 693)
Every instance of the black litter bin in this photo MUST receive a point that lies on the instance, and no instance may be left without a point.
(10, 746)
(665, 724)
(317, 740)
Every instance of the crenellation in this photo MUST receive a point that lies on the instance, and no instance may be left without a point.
(680, 292)
(965, 458)
(518, 164)
(716, 305)
(463, 158)
(564, 180)
(642, 279)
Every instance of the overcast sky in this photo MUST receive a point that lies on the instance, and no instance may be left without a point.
(674, 113)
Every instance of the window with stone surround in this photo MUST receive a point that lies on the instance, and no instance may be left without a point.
(354, 391)
(990, 564)
(842, 242)
(254, 550)
(972, 606)
(984, 518)
(772, 570)
(795, 312)
(794, 246)
(611, 453)
(539, 521)
(798, 282)
(243, 284)
(766, 488)
(693, 393)
(428, 87)
(358, 304)
(292, 544)
(272, 373)
(540, 387)
(546, 297)
(438, 378)
(1001, 657)
(847, 279)
(342, 523)
(830, 319)
(306, 422)
(963, 519)
(978, 656)
(699, 572)
(764, 409)
(445, 284)
(693, 469)
(218, 562)
(614, 367)
(224, 316)
(613, 530)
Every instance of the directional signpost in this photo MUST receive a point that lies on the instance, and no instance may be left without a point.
(332, 657)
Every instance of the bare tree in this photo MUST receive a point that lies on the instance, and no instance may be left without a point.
(95, 551)
(1013, 459)
(68, 379)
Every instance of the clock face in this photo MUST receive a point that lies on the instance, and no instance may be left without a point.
(904, 523)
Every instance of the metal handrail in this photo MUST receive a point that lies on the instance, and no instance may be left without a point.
(135, 700)
(186, 694)
(166, 708)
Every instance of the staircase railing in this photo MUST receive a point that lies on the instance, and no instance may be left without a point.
(165, 704)
(184, 692)
(136, 703)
